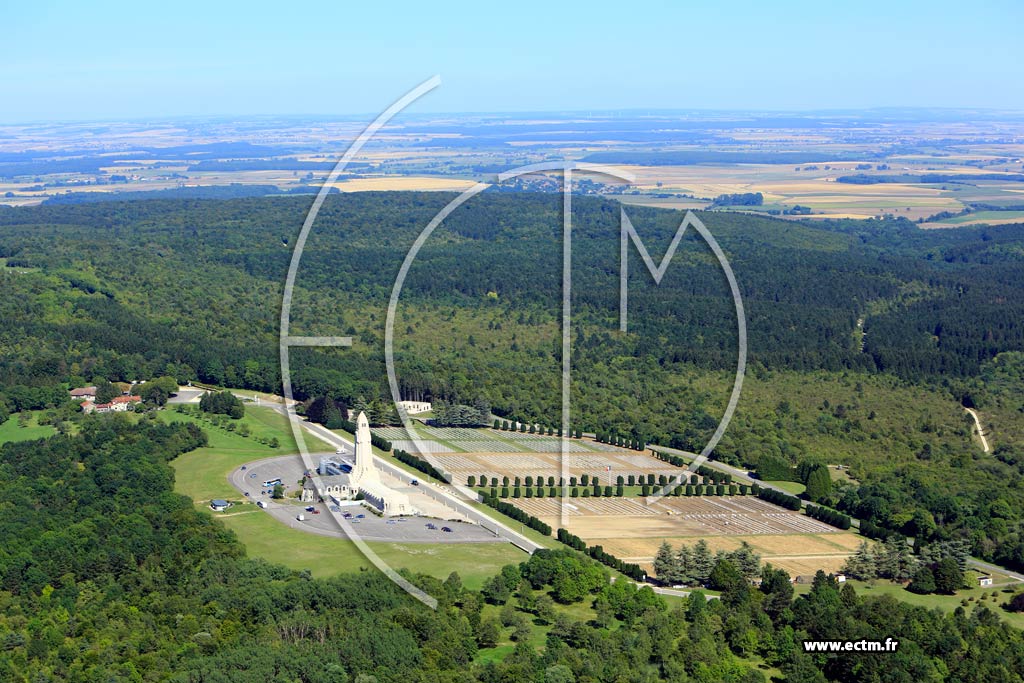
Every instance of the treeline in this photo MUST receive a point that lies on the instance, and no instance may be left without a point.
(676, 460)
(515, 513)
(221, 403)
(532, 428)
(19, 398)
(936, 568)
(619, 490)
(633, 571)
(419, 464)
(698, 566)
(812, 474)
(329, 412)
(635, 443)
(779, 498)
(739, 199)
(929, 178)
(824, 514)
(459, 415)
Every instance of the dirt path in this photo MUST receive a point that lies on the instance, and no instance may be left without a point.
(977, 424)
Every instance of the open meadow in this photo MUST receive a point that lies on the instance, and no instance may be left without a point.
(14, 430)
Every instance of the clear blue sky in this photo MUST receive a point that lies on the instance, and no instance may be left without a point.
(76, 60)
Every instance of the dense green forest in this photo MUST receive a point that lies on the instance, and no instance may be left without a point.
(109, 576)
(165, 275)
(865, 337)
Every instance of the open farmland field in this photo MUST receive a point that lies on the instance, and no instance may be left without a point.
(783, 185)
(986, 217)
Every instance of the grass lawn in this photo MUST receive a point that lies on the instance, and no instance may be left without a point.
(10, 431)
(794, 488)
(202, 474)
(265, 537)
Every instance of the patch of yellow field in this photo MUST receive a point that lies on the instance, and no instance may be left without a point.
(980, 221)
(797, 554)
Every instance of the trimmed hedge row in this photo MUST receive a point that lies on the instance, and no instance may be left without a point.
(633, 571)
(418, 464)
(823, 514)
(515, 513)
(621, 441)
(780, 498)
(617, 491)
(669, 458)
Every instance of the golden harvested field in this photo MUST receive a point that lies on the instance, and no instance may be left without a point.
(797, 554)
(783, 185)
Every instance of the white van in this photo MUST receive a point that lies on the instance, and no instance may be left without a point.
(261, 504)
(301, 518)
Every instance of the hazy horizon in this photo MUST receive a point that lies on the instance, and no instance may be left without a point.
(118, 61)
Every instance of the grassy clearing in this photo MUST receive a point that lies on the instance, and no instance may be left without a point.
(12, 431)
(793, 488)
(265, 537)
(202, 474)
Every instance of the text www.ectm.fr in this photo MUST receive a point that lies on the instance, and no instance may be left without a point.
(888, 645)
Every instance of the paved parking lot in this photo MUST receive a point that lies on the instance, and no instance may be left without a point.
(289, 469)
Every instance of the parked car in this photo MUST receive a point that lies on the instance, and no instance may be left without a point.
(360, 515)
(244, 467)
(415, 482)
(310, 508)
(347, 515)
(315, 511)
(334, 508)
(445, 529)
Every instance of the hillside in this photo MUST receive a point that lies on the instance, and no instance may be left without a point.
(191, 288)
